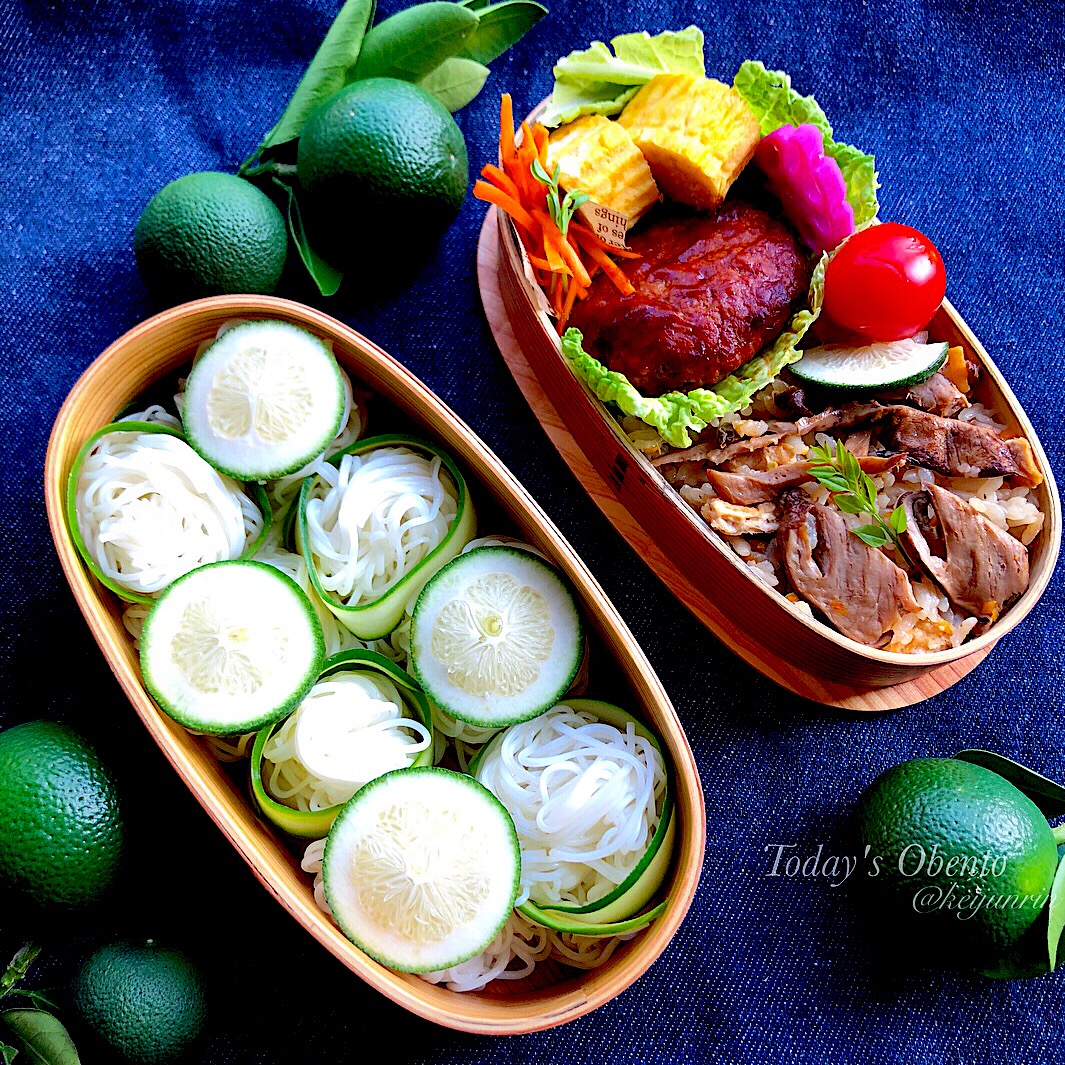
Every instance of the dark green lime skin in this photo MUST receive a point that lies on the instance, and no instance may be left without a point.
(382, 165)
(145, 1003)
(210, 234)
(977, 817)
(62, 834)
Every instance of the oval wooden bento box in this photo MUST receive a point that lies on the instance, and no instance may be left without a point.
(755, 621)
(552, 995)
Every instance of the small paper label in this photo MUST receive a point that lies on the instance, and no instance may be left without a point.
(609, 226)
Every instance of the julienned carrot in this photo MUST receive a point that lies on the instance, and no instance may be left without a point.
(507, 151)
(500, 179)
(490, 194)
(556, 256)
(540, 136)
(569, 255)
(611, 269)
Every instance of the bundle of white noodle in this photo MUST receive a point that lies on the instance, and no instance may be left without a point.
(374, 517)
(150, 510)
(586, 798)
(350, 728)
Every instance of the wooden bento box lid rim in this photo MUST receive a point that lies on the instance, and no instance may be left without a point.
(177, 331)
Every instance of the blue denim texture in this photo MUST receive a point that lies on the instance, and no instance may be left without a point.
(104, 101)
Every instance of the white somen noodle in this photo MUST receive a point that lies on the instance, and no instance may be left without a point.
(586, 798)
(374, 517)
(150, 510)
(350, 728)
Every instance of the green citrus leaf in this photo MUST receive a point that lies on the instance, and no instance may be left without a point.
(324, 275)
(455, 82)
(414, 41)
(8, 1053)
(40, 1037)
(1056, 915)
(1048, 795)
(499, 26)
(327, 71)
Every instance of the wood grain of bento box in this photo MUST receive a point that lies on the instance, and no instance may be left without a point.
(802, 654)
(160, 347)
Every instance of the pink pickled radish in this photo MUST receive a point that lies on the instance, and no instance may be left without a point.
(808, 183)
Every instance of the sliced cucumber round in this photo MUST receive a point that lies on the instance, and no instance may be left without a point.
(231, 647)
(496, 637)
(126, 590)
(373, 619)
(422, 869)
(884, 366)
(263, 400)
(314, 824)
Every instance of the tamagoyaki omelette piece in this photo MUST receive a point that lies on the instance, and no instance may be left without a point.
(696, 133)
(597, 156)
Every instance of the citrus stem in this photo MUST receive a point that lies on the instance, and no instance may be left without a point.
(18, 967)
(1059, 834)
(274, 169)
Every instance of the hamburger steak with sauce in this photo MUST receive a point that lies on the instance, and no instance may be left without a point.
(711, 292)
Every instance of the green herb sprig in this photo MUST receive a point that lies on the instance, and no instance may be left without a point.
(855, 492)
(561, 208)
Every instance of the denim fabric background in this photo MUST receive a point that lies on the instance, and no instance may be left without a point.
(101, 103)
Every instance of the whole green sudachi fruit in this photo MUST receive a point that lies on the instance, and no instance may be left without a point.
(966, 860)
(381, 165)
(144, 1003)
(61, 829)
(210, 234)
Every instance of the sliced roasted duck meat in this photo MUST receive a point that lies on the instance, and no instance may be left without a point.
(980, 567)
(957, 449)
(748, 487)
(951, 447)
(857, 588)
(937, 395)
(838, 418)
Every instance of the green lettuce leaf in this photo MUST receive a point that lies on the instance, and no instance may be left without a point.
(676, 415)
(596, 81)
(775, 103)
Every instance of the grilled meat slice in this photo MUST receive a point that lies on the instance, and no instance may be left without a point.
(980, 567)
(714, 454)
(710, 292)
(857, 588)
(748, 487)
(937, 395)
(957, 449)
(946, 445)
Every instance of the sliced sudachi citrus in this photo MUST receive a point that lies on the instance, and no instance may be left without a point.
(495, 637)
(231, 647)
(263, 400)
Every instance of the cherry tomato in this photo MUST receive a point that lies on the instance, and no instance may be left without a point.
(884, 282)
